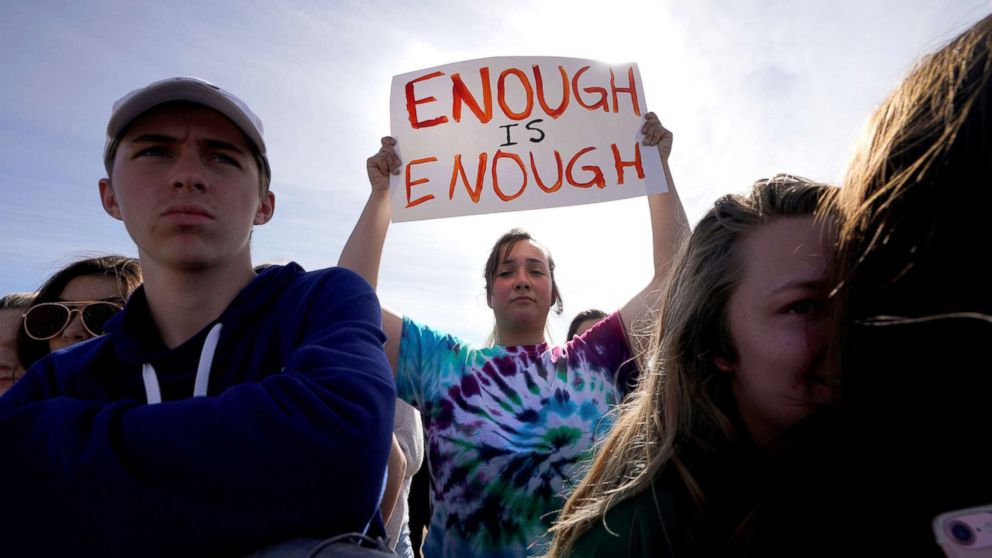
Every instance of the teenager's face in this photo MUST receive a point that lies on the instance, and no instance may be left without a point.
(187, 188)
(521, 289)
(85, 288)
(10, 367)
(777, 324)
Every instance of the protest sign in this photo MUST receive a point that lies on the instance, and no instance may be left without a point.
(515, 133)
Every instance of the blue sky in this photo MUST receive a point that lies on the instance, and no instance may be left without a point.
(749, 88)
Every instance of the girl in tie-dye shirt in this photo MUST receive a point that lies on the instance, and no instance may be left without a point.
(508, 425)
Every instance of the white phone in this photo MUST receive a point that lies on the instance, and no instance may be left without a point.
(965, 533)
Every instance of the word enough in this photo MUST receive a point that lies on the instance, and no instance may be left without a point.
(565, 173)
(598, 96)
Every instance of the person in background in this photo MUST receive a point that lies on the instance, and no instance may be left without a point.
(408, 435)
(583, 321)
(75, 304)
(912, 319)
(738, 359)
(508, 424)
(12, 308)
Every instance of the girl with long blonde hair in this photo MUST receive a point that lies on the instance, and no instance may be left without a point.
(737, 359)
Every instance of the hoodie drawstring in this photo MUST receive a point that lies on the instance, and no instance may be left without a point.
(152, 392)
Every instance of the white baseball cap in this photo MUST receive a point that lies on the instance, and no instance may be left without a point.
(183, 89)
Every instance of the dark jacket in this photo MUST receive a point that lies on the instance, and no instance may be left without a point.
(291, 441)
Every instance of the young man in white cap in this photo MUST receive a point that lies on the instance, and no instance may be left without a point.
(224, 412)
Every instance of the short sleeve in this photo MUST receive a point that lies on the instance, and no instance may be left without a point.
(427, 357)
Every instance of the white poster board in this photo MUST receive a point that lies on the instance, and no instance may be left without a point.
(515, 133)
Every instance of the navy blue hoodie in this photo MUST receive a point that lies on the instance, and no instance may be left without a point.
(291, 441)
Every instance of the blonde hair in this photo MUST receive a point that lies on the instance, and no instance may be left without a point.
(683, 400)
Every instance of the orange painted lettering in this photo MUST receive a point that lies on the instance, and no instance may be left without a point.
(460, 93)
(412, 102)
(632, 90)
(602, 92)
(556, 112)
(459, 170)
(523, 171)
(501, 94)
(620, 164)
(411, 183)
(537, 176)
(597, 178)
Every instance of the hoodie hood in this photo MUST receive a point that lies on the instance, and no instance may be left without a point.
(136, 340)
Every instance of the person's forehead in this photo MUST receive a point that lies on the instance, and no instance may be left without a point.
(786, 249)
(89, 287)
(174, 119)
(525, 250)
(10, 319)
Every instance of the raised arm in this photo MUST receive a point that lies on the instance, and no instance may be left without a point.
(363, 251)
(669, 228)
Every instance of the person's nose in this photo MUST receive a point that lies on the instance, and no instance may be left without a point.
(521, 280)
(74, 331)
(188, 171)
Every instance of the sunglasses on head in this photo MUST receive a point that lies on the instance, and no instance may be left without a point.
(46, 320)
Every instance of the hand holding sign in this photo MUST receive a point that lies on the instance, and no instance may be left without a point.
(383, 164)
(529, 145)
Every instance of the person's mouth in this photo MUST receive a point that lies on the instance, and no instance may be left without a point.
(188, 214)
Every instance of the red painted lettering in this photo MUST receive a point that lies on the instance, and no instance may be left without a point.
(501, 94)
(459, 170)
(539, 81)
(537, 175)
(632, 90)
(411, 183)
(620, 164)
(597, 178)
(523, 171)
(412, 102)
(460, 93)
(602, 92)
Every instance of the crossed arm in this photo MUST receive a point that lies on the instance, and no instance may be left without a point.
(298, 453)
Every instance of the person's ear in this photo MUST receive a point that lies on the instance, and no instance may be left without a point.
(266, 207)
(109, 199)
(723, 364)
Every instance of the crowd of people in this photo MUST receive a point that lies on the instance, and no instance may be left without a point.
(809, 349)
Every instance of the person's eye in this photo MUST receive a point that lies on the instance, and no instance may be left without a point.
(537, 272)
(804, 307)
(504, 273)
(156, 151)
(227, 160)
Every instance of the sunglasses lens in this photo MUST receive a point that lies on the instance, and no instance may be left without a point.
(96, 316)
(45, 320)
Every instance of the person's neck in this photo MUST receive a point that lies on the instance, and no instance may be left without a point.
(509, 337)
(183, 301)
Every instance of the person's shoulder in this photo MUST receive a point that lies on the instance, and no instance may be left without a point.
(330, 277)
(610, 326)
(80, 354)
(643, 524)
(81, 364)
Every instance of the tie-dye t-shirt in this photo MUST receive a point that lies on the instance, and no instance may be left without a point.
(507, 428)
